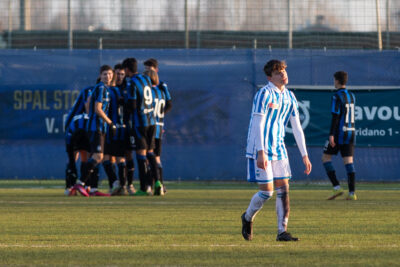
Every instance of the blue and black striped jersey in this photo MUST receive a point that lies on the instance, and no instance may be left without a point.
(161, 96)
(164, 87)
(78, 123)
(100, 94)
(115, 113)
(343, 129)
(79, 105)
(140, 90)
(123, 91)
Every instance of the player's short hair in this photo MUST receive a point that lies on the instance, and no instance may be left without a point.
(130, 63)
(153, 76)
(118, 66)
(274, 65)
(151, 62)
(341, 77)
(104, 68)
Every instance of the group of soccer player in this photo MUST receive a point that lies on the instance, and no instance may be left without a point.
(267, 159)
(122, 114)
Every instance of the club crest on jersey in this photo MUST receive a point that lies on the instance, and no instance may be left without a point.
(273, 105)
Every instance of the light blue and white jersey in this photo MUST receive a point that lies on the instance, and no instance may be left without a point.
(272, 110)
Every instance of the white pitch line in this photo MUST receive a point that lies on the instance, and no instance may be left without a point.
(107, 203)
(184, 246)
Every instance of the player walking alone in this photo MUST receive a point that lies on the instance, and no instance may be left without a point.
(267, 160)
(341, 136)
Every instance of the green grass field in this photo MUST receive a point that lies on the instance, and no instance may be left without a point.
(195, 224)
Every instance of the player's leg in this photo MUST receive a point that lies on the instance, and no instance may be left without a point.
(70, 170)
(130, 169)
(330, 170)
(282, 175)
(153, 174)
(119, 187)
(97, 148)
(264, 179)
(141, 153)
(122, 175)
(109, 170)
(347, 153)
(84, 152)
(160, 188)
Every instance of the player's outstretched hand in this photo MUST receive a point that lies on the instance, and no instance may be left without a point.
(308, 165)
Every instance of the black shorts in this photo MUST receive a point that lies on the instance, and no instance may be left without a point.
(96, 141)
(115, 148)
(144, 137)
(80, 141)
(157, 149)
(346, 150)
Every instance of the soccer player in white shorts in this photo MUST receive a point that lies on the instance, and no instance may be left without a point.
(267, 160)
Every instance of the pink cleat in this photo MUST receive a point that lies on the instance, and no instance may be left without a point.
(72, 192)
(81, 190)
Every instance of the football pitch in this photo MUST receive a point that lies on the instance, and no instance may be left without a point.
(195, 224)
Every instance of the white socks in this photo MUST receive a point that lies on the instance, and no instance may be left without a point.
(256, 203)
(282, 208)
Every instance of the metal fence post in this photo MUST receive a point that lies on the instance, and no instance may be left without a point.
(70, 44)
(186, 26)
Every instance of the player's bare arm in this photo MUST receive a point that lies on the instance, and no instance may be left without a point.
(100, 112)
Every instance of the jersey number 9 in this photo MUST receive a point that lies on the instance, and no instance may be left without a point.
(147, 95)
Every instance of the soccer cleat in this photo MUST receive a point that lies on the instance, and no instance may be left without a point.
(158, 189)
(285, 236)
(115, 188)
(81, 190)
(131, 190)
(247, 228)
(99, 194)
(149, 191)
(336, 193)
(67, 191)
(164, 189)
(351, 197)
(121, 191)
(72, 192)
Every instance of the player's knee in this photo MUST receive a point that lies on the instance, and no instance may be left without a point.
(350, 168)
(265, 195)
(348, 160)
(328, 166)
(326, 157)
(282, 191)
(159, 165)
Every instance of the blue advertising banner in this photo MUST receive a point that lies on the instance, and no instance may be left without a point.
(377, 116)
(212, 93)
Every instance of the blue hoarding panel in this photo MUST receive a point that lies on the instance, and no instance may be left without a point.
(212, 92)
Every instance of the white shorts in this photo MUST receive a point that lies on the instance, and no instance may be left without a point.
(276, 170)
